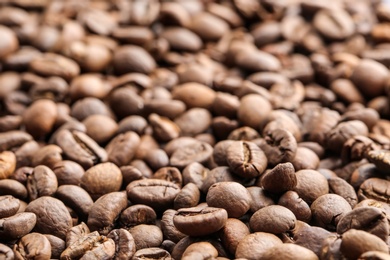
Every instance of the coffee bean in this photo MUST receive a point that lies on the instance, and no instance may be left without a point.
(361, 242)
(17, 226)
(188, 197)
(13, 188)
(75, 197)
(328, 209)
(42, 182)
(52, 216)
(122, 148)
(253, 110)
(260, 198)
(200, 250)
(374, 188)
(33, 245)
(280, 179)
(197, 152)
(57, 246)
(168, 228)
(48, 155)
(6, 252)
(310, 185)
(102, 179)
(80, 148)
(146, 236)
(131, 58)
(9, 206)
(136, 215)
(104, 212)
(231, 196)
(369, 219)
(256, 244)
(151, 253)
(299, 207)
(68, 172)
(182, 39)
(232, 233)
(125, 240)
(158, 194)
(344, 189)
(7, 164)
(10, 42)
(283, 220)
(200, 222)
(334, 24)
(379, 158)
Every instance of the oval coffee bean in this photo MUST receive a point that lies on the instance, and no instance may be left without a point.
(17, 226)
(33, 246)
(282, 221)
(200, 222)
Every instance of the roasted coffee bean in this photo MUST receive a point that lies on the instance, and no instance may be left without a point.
(199, 152)
(310, 185)
(369, 219)
(188, 197)
(10, 43)
(13, 188)
(280, 179)
(158, 194)
(232, 233)
(68, 172)
(131, 58)
(18, 225)
(33, 245)
(334, 24)
(374, 188)
(245, 159)
(256, 244)
(216, 175)
(124, 243)
(253, 110)
(41, 182)
(344, 189)
(137, 215)
(52, 216)
(298, 206)
(380, 158)
(122, 148)
(152, 253)
(146, 236)
(328, 209)
(201, 250)
(76, 198)
(283, 221)
(194, 121)
(101, 179)
(289, 251)
(6, 252)
(9, 206)
(168, 228)
(48, 155)
(105, 211)
(356, 242)
(57, 246)
(231, 196)
(7, 164)
(80, 148)
(200, 222)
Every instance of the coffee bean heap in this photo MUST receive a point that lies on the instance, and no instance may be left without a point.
(194, 129)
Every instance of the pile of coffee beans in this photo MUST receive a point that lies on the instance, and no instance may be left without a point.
(194, 129)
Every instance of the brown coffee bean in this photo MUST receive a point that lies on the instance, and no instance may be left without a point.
(255, 60)
(97, 21)
(232, 233)
(57, 246)
(13, 188)
(245, 159)
(256, 244)
(101, 179)
(374, 188)
(122, 148)
(289, 251)
(137, 215)
(131, 58)
(10, 41)
(17, 226)
(201, 250)
(171, 174)
(182, 39)
(253, 110)
(88, 85)
(7, 164)
(199, 152)
(164, 129)
(42, 182)
(216, 175)
(208, 26)
(374, 255)
(370, 73)
(100, 128)
(146, 236)
(40, 117)
(305, 159)
(152, 253)
(48, 155)
(68, 172)
(344, 189)
(125, 241)
(168, 228)
(334, 24)
(52, 216)
(298, 206)
(380, 158)
(200, 222)
(194, 121)
(80, 148)
(310, 185)
(9, 206)
(328, 209)
(188, 197)
(158, 194)
(360, 242)
(76, 198)
(231, 196)
(105, 211)
(282, 220)
(85, 107)
(260, 198)
(280, 179)
(33, 245)
(369, 219)
(50, 64)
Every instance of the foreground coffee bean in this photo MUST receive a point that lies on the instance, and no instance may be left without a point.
(200, 222)
(33, 245)
(283, 221)
(17, 226)
(254, 245)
